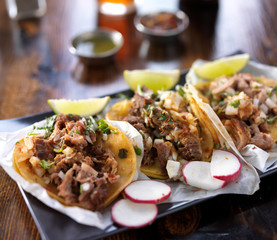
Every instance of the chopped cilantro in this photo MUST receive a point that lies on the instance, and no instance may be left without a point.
(59, 150)
(270, 120)
(32, 133)
(275, 89)
(137, 150)
(91, 124)
(148, 108)
(151, 111)
(17, 142)
(181, 92)
(122, 153)
(235, 103)
(163, 117)
(219, 111)
(46, 165)
(75, 131)
(225, 94)
(49, 126)
(217, 145)
(103, 126)
(70, 115)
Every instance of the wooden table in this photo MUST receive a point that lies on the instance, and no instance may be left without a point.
(35, 65)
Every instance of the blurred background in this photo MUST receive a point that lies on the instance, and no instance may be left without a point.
(34, 49)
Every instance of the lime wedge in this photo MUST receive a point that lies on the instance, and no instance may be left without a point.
(223, 66)
(86, 107)
(155, 80)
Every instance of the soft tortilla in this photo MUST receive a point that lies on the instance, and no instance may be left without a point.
(126, 166)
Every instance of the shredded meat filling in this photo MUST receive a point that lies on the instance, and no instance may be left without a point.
(82, 168)
(245, 105)
(154, 121)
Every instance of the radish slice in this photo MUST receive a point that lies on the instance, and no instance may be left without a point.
(198, 174)
(147, 191)
(133, 215)
(225, 165)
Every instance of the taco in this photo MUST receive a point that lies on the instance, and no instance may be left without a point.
(172, 127)
(79, 161)
(247, 107)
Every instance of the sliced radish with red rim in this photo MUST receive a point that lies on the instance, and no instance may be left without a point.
(225, 165)
(129, 214)
(147, 191)
(198, 174)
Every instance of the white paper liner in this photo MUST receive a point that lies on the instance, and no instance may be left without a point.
(260, 159)
(247, 183)
(97, 219)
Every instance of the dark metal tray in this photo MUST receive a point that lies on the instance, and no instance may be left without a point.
(55, 225)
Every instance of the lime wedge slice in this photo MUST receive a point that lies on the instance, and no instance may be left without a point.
(223, 66)
(155, 80)
(86, 107)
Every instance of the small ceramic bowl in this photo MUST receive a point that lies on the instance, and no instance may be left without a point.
(162, 26)
(97, 47)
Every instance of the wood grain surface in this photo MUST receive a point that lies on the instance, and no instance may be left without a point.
(35, 65)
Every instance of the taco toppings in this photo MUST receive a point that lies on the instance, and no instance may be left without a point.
(169, 130)
(247, 106)
(76, 160)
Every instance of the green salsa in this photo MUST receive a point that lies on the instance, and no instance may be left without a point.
(96, 45)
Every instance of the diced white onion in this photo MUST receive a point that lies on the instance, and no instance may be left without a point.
(262, 114)
(29, 142)
(256, 102)
(192, 128)
(149, 142)
(172, 168)
(61, 175)
(230, 90)
(85, 186)
(167, 103)
(230, 110)
(158, 141)
(264, 108)
(274, 97)
(46, 179)
(168, 137)
(270, 103)
(174, 155)
(105, 137)
(68, 151)
(88, 139)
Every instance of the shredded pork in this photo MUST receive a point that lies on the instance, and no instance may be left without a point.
(76, 163)
(245, 105)
(165, 128)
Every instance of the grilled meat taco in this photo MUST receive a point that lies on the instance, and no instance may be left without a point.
(79, 161)
(171, 126)
(247, 106)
